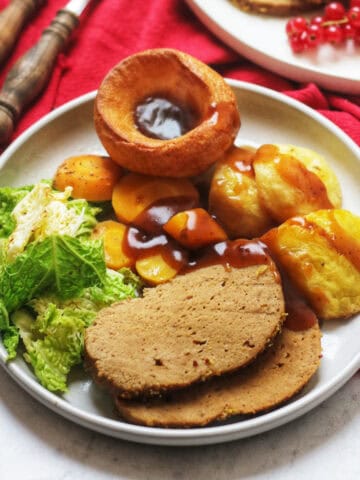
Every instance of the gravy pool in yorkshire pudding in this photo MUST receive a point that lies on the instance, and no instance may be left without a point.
(162, 112)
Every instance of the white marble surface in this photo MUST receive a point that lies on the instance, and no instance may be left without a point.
(36, 444)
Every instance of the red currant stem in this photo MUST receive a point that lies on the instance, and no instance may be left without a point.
(329, 23)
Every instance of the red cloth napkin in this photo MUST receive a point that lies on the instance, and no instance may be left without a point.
(110, 31)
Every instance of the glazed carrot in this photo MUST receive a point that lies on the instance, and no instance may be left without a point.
(194, 228)
(154, 269)
(113, 234)
(134, 194)
(92, 177)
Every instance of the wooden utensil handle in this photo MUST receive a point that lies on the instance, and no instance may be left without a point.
(12, 20)
(31, 72)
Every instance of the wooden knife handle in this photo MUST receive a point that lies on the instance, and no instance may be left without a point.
(12, 20)
(31, 72)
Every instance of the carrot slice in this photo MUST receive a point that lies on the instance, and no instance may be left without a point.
(113, 234)
(194, 228)
(134, 194)
(154, 269)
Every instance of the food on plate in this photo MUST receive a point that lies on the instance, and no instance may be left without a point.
(53, 278)
(149, 202)
(194, 228)
(233, 197)
(202, 324)
(320, 253)
(91, 177)
(278, 7)
(293, 180)
(275, 377)
(162, 112)
(113, 233)
(127, 260)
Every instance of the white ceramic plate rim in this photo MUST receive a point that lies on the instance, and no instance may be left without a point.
(290, 66)
(194, 436)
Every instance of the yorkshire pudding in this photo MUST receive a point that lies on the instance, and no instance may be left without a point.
(166, 87)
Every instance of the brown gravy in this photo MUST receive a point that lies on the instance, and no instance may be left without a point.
(299, 314)
(164, 119)
(153, 218)
(138, 244)
(237, 254)
(241, 160)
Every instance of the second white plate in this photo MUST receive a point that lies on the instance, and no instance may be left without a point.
(262, 39)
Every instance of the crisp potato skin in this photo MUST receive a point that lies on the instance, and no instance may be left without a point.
(92, 177)
(294, 181)
(320, 253)
(234, 197)
(252, 191)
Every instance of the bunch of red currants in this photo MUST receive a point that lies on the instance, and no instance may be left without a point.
(336, 26)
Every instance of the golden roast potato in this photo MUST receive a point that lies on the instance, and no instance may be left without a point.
(320, 253)
(294, 181)
(234, 198)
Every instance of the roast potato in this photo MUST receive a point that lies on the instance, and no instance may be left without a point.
(320, 253)
(293, 180)
(234, 199)
(92, 177)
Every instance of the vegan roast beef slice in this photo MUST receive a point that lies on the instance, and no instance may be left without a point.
(198, 325)
(278, 7)
(278, 374)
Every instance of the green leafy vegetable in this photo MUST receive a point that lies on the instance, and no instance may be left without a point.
(53, 342)
(9, 198)
(11, 339)
(59, 264)
(44, 212)
(117, 286)
(88, 213)
(62, 264)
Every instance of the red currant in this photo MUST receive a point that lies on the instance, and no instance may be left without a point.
(334, 34)
(349, 31)
(357, 36)
(296, 44)
(334, 11)
(304, 38)
(354, 3)
(296, 25)
(315, 35)
(354, 16)
(318, 20)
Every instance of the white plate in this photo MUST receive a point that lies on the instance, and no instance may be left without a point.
(266, 117)
(262, 39)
